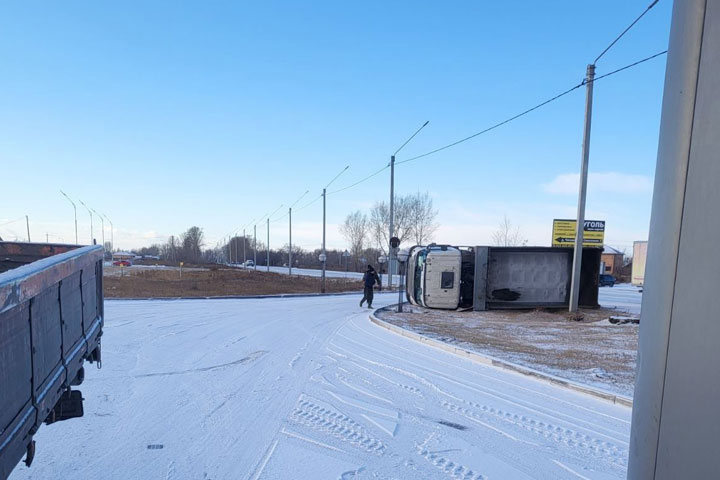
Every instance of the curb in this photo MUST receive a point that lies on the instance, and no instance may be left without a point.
(243, 297)
(496, 362)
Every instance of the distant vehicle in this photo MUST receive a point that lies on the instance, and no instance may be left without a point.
(249, 263)
(51, 322)
(122, 263)
(638, 264)
(607, 280)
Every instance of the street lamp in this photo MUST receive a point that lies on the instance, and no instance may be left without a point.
(102, 223)
(75, 209)
(402, 256)
(91, 220)
(346, 255)
(324, 196)
(392, 196)
(112, 238)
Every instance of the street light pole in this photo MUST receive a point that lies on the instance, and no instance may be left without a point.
(324, 255)
(391, 253)
(255, 247)
(75, 210)
(27, 224)
(244, 254)
(290, 231)
(102, 224)
(290, 243)
(112, 238)
(268, 244)
(580, 225)
(92, 237)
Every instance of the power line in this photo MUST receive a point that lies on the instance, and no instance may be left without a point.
(515, 117)
(12, 221)
(542, 104)
(626, 30)
(630, 66)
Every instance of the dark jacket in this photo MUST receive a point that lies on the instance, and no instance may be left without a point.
(370, 278)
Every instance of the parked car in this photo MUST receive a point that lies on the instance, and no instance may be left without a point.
(249, 264)
(122, 263)
(607, 280)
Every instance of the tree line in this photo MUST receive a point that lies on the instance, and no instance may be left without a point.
(367, 235)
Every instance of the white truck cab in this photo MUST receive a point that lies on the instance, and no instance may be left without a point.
(433, 276)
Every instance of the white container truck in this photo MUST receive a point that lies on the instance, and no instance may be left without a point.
(638, 264)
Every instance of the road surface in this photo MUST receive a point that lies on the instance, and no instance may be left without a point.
(309, 388)
(622, 296)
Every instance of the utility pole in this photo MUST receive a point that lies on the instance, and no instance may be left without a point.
(391, 251)
(290, 233)
(268, 244)
(236, 242)
(290, 244)
(580, 226)
(75, 210)
(92, 237)
(324, 254)
(391, 254)
(244, 254)
(102, 223)
(112, 238)
(255, 248)
(27, 223)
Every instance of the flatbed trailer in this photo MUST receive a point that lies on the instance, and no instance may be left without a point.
(51, 321)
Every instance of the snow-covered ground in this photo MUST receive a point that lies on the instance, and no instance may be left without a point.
(622, 296)
(311, 272)
(308, 388)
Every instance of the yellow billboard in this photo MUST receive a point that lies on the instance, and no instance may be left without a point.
(563, 233)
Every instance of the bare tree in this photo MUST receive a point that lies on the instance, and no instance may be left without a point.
(508, 235)
(422, 218)
(192, 242)
(380, 222)
(355, 230)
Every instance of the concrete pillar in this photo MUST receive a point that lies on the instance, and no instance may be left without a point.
(676, 413)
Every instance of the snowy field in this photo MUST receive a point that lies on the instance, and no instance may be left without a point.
(311, 272)
(308, 388)
(622, 296)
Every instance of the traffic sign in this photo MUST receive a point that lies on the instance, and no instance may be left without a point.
(563, 233)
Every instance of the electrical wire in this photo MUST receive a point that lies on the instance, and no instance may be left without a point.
(630, 65)
(542, 104)
(625, 31)
(493, 127)
(12, 221)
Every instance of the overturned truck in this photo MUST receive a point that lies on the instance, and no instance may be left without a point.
(487, 278)
(51, 320)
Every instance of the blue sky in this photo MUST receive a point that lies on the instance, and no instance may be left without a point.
(164, 115)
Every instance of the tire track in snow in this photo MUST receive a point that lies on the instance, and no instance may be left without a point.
(445, 465)
(336, 424)
(476, 373)
(502, 396)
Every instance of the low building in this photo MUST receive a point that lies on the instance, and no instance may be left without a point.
(612, 259)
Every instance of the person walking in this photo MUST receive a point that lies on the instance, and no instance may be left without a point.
(369, 279)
